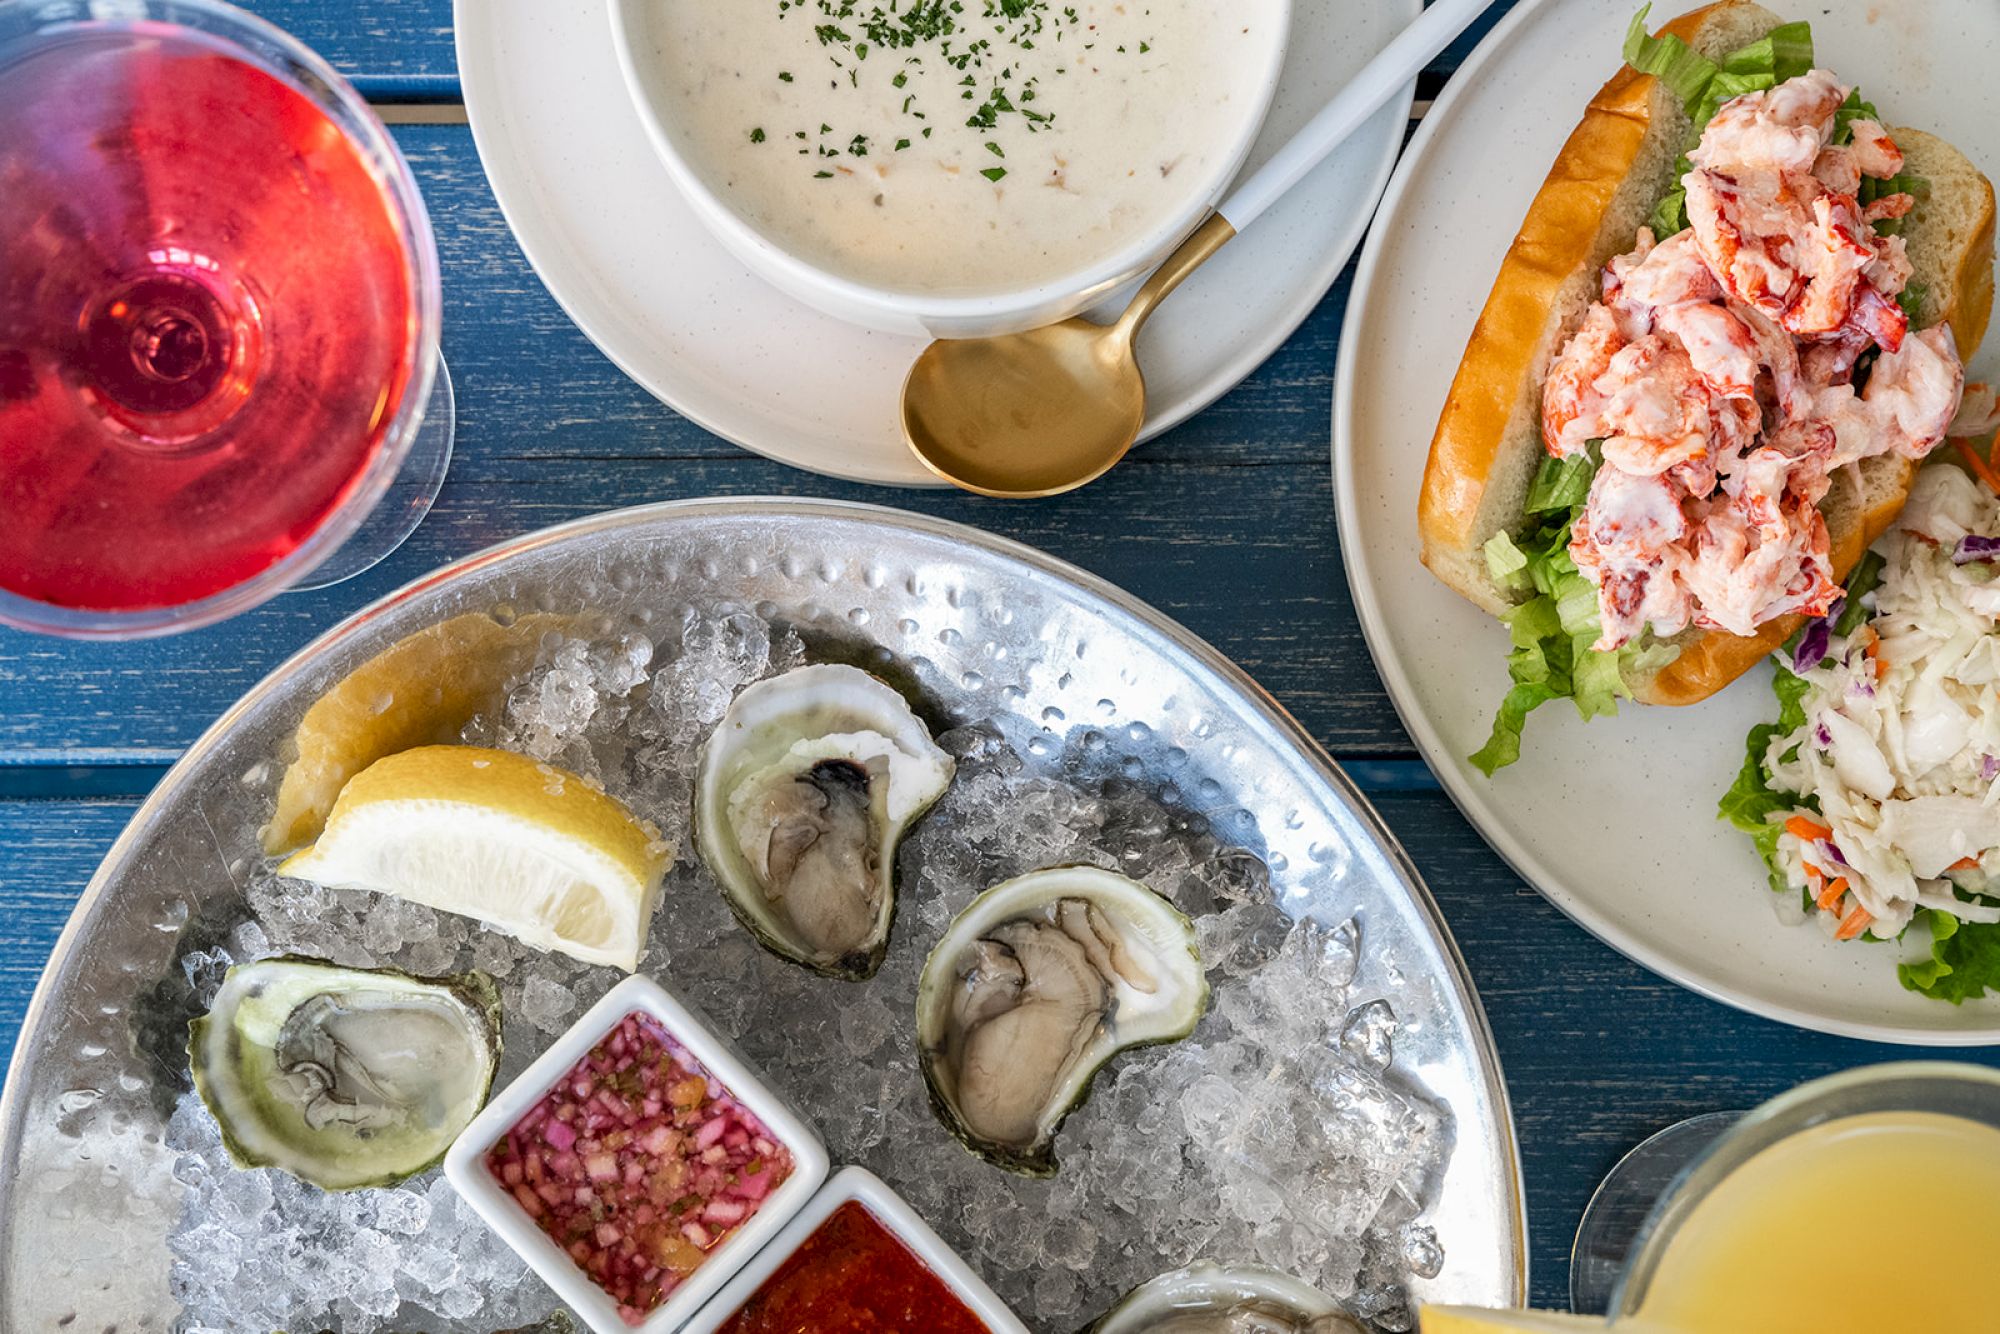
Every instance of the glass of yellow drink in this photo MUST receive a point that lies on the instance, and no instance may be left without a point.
(1865, 1202)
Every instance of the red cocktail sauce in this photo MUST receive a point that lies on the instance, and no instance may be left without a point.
(853, 1277)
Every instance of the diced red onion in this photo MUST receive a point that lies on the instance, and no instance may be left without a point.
(638, 1164)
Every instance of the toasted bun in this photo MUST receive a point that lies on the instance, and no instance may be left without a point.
(1615, 167)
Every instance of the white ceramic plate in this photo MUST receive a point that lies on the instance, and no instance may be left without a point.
(1613, 821)
(640, 275)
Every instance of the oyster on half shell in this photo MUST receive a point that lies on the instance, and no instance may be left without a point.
(805, 789)
(1207, 1298)
(344, 1077)
(1039, 982)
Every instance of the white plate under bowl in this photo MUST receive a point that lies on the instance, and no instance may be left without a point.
(1614, 821)
(627, 258)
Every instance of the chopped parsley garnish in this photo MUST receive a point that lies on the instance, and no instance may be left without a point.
(971, 46)
(993, 173)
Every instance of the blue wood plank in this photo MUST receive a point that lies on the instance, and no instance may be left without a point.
(48, 852)
(1598, 1053)
(393, 50)
(1225, 523)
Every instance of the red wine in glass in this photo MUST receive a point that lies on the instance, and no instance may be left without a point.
(212, 318)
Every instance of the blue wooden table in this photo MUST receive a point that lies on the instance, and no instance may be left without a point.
(1225, 523)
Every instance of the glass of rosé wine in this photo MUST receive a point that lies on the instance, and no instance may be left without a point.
(219, 313)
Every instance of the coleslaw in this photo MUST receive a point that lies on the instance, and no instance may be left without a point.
(1875, 796)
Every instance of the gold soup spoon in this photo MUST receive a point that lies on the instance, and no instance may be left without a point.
(1042, 412)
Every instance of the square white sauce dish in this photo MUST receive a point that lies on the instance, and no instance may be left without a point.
(857, 1238)
(637, 1164)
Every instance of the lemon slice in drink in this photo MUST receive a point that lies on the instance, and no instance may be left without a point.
(519, 845)
(1474, 1320)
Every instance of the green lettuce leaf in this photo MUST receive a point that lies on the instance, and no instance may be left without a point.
(1552, 631)
(1703, 86)
(1911, 299)
(1783, 53)
(1669, 59)
(1561, 484)
(1505, 562)
(1964, 961)
(1751, 800)
(1861, 581)
(1853, 109)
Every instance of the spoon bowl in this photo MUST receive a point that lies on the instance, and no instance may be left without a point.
(1028, 414)
(1043, 411)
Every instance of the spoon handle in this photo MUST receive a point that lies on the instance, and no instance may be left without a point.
(1189, 256)
(1399, 62)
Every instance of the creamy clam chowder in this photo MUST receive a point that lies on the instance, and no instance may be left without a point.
(954, 147)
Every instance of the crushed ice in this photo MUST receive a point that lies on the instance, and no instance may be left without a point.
(1278, 1133)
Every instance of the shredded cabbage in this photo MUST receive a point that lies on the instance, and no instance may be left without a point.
(1890, 746)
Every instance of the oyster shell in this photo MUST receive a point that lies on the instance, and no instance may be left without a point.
(805, 789)
(1039, 982)
(1207, 1298)
(344, 1077)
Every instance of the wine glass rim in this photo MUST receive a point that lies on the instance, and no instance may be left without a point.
(278, 53)
(1725, 1155)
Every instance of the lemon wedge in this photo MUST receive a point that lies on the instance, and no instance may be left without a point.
(496, 836)
(419, 691)
(1475, 1320)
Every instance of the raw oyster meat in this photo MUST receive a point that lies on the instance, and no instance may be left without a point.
(805, 789)
(344, 1077)
(1040, 981)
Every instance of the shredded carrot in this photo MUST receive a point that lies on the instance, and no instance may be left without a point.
(1981, 468)
(1814, 875)
(1872, 650)
(1829, 896)
(1807, 831)
(1854, 924)
(1963, 864)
